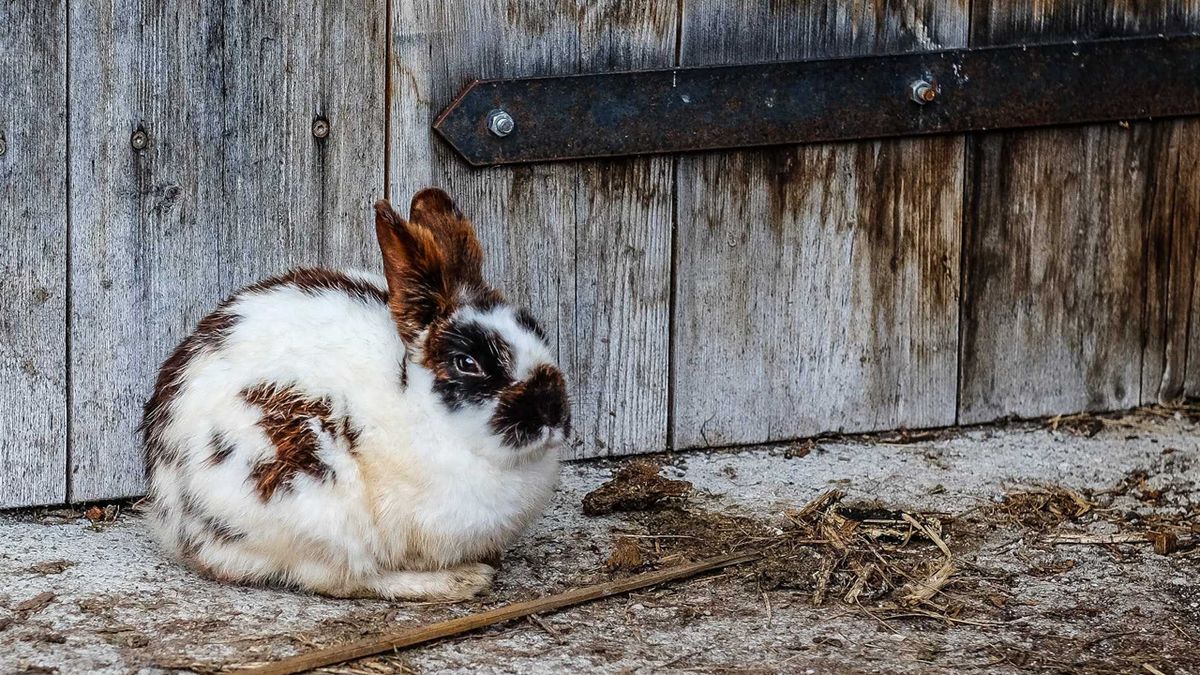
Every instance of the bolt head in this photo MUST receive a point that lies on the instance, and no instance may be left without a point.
(140, 140)
(500, 123)
(922, 92)
(320, 127)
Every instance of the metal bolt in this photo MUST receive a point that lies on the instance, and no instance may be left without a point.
(922, 92)
(320, 127)
(500, 123)
(140, 140)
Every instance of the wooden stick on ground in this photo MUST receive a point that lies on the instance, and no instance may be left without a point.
(421, 634)
(1098, 539)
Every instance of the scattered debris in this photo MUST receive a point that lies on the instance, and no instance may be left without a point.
(105, 514)
(800, 449)
(1165, 542)
(626, 556)
(35, 604)
(1080, 424)
(51, 567)
(1098, 539)
(854, 552)
(637, 486)
(125, 637)
(98, 604)
(1041, 509)
(907, 436)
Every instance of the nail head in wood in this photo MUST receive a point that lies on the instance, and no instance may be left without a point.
(320, 127)
(140, 140)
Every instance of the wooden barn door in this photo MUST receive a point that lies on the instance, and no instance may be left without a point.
(166, 153)
(195, 169)
(1081, 243)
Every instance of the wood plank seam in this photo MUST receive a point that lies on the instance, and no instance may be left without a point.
(69, 300)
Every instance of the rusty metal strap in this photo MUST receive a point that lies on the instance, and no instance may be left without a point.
(687, 109)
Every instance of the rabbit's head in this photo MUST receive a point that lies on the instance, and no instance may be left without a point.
(487, 363)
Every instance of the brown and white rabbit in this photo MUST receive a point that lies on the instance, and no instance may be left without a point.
(356, 436)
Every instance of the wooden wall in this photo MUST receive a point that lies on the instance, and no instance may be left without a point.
(698, 300)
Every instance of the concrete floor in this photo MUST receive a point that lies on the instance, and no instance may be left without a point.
(83, 597)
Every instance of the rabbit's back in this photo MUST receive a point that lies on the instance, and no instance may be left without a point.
(252, 431)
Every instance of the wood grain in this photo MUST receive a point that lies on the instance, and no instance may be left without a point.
(1191, 382)
(620, 328)
(585, 246)
(816, 286)
(33, 288)
(232, 187)
(1171, 209)
(1071, 273)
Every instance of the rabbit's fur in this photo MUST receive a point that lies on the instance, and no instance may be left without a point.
(359, 436)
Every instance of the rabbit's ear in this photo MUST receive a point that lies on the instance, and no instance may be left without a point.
(414, 262)
(434, 210)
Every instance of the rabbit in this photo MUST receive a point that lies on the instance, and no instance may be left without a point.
(357, 436)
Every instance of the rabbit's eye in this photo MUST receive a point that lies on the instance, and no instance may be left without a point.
(467, 365)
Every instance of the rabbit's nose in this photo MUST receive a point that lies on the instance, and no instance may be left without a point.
(547, 391)
(531, 407)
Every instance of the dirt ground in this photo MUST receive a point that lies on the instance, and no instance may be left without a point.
(1057, 546)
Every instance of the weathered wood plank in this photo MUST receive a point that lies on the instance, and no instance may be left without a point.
(585, 246)
(33, 290)
(233, 185)
(1068, 260)
(816, 286)
(620, 328)
(1191, 382)
(1172, 212)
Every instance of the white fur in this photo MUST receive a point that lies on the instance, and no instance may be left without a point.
(410, 513)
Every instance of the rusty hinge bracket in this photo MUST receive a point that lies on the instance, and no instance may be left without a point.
(686, 109)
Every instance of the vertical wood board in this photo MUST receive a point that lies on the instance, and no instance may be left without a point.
(816, 286)
(33, 260)
(232, 187)
(1172, 213)
(1191, 384)
(585, 246)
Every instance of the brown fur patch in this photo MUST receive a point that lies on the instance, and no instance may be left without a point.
(287, 418)
(418, 288)
(433, 351)
(209, 334)
(313, 280)
(527, 407)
